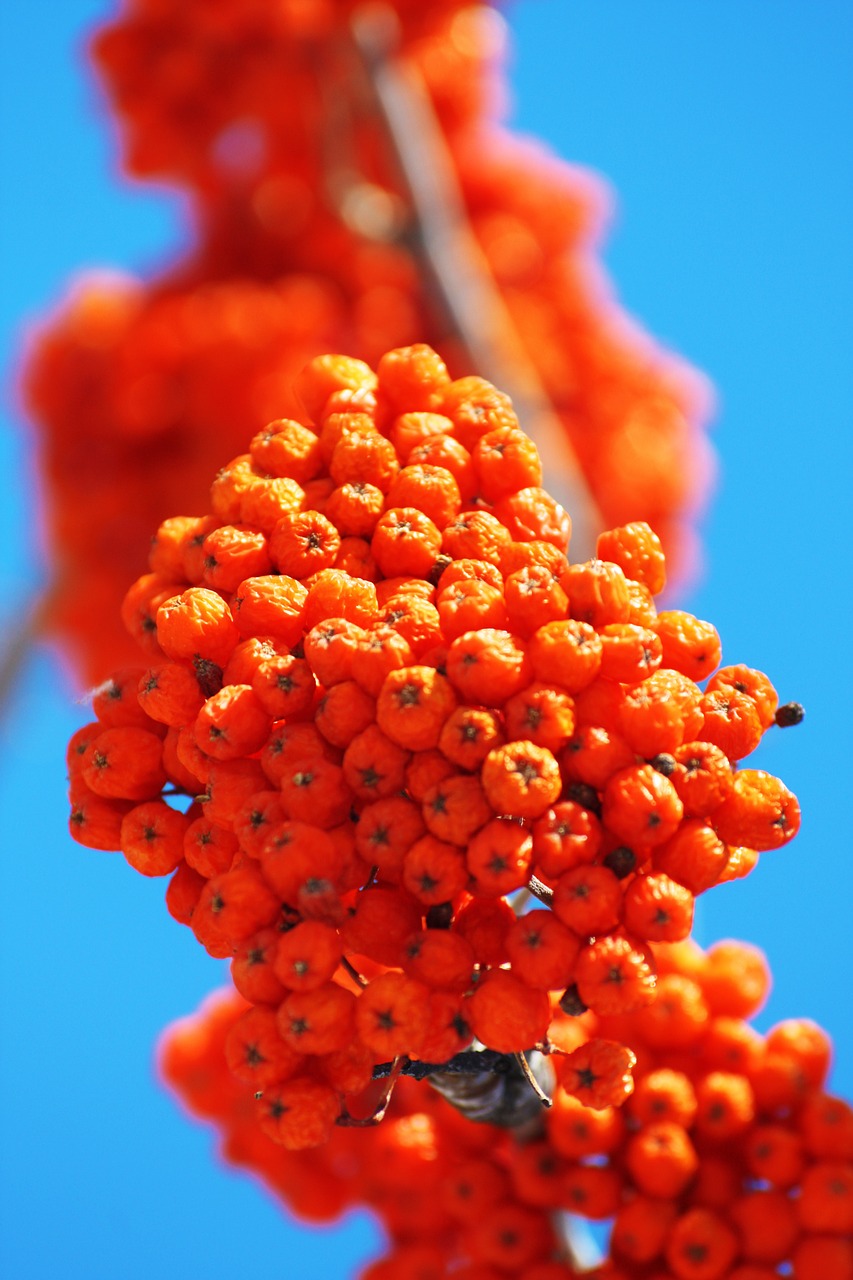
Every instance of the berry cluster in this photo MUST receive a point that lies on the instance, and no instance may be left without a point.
(384, 714)
(729, 1160)
(133, 386)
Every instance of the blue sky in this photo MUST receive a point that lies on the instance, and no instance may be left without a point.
(724, 132)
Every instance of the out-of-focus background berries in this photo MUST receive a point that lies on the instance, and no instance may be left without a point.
(724, 136)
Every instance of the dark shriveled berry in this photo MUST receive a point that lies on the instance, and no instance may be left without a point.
(790, 713)
(571, 1003)
(584, 795)
(621, 861)
(664, 763)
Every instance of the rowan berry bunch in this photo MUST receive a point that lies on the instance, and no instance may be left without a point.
(132, 386)
(383, 714)
(730, 1159)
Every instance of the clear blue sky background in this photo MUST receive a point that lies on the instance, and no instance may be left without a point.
(724, 130)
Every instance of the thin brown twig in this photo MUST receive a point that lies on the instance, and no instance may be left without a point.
(353, 972)
(19, 646)
(539, 890)
(521, 1059)
(454, 263)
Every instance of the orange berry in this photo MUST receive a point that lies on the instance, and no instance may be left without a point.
(759, 811)
(766, 1224)
(637, 550)
(306, 956)
(774, 1154)
(197, 625)
(299, 1113)
(468, 735)
(821, 1257)
(412, 706)
(725, 1106)
(735, 979)
(271, 605)
(392, 1015)
(689, 646)
(169, 692)
(542, 715)
(469, 605)
(124, 763)
(694, 856)
(434, 871)
(256, 1053)
(588, 899)
(439, 958)
(597, 591)
(826, 1198)
(374, 766)
(487, 666)
(334, 593)
(431, 489)
(566, 653)
(752, 684)
(599, 1073)
(542, 951)
(701, 1246)
(613, 975)
(521, 779)
(640, 806)
(663, 1095)
(661, 1159)
(641, 1228)
(731, 722)
(321, 1020)
(327, 374)
(152, 838)
(702, 777)
(658, 908)
(405, 541)
(576, 1130)
(499, 857)
(379, 924)
(455, 808)
(232, 723)
(506, 1014)
(565, 836)
(287, 448)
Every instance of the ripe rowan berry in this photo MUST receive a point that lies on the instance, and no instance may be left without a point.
(124, 763)
(637, 550)
(588, 899)
(542, 951)
(299, 1113)
(521, 779)
(499, 857)
(657, 908)
(661, 1159)
(541, 715)
(613, 975)
(434, 871)
(321, 1020)
(759, 812)
(700, 1246)
(641, 807)
(599, 1073)
(689, 645)
(252, 970)
(487, 666)
(507, 1014)
(412, 706)
(152, 837)
(567, 653)
(441, 959)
